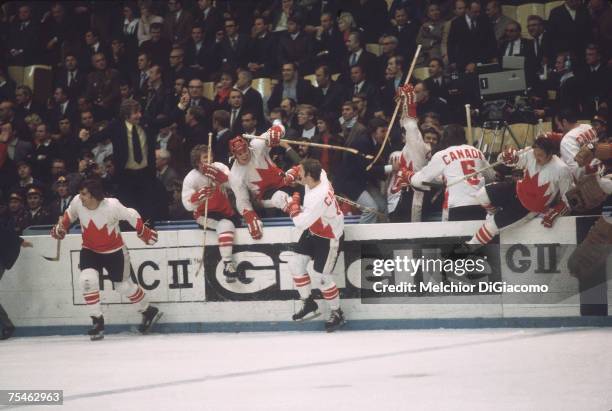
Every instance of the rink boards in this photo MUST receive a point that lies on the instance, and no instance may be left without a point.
(44, 297)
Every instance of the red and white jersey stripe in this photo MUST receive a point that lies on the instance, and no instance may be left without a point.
(219, 202)
(570, 145)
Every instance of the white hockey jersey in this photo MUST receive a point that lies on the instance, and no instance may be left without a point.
(413, 156)
(219, 202)
(321, 214)
(256, 177)
(540, 185)
(100, 227)
(453, 163)
(570, 145)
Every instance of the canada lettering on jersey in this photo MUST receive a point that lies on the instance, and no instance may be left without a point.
(462, 154)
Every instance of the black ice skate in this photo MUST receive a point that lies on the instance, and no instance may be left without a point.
(96, 332)
(149, 318)
(229, 271)
(7, 332)
(335, 321)
(308, 311)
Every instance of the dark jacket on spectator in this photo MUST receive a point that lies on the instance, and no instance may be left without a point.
(306, 94)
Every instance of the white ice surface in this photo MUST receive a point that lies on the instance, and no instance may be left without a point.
(505, 369)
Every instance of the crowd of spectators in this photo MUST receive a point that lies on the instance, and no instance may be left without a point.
(128, 103)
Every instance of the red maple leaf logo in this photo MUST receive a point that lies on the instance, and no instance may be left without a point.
(322, 230)
(98, 239)
(531, 194)
(271, 177)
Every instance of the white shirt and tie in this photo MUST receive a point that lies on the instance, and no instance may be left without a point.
(513, 48)
(358, 87)
(355, 57)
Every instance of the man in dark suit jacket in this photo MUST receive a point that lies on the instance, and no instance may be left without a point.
(220, 123)
(396, 68)
(209, 18)
(196, 98)
(23, 39)
(178, 22)
(471, 38)
(596, 81)
(25, 104)
(293, 87)
(93, 45)
(252, 100)
(357, 54)
(406, 32)
(360, 85)
(63, 107)
(71, 78)
(514, 45)
(295, 45)
(198, 54)
(236, 108)
(569, 26)
(233, 50)
(331, 94)
(157, 47)
(542, 44)
(329, 45)
(134, 157)
(262, 50)
(437, 83)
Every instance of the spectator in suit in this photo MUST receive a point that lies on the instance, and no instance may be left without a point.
(331, 94)
(570, 27)
(37, 214)
(515, 45)
(292, 86)
(25, 104)
(93, 45)
(288, 113)
(567, 85)
(460, 7)
(195, 90)
(62, 107)
(140, 76)
(7, 86)
(371, 16)
(154, 102)
(358, 55)
(103, 86)
(157, 46)
(360, 85)
(68, 145)
(44, 150)
(71, 78)
(262, 49)
(252, 100)
(17, 148)
(165, 173)
(498, 20)
(364, 113)
(146, 21)
(351, 176)
(234, 48)
(23, 39)
(430, 34)
(437, 83)
(596, 79)
(389, 49)
(222, 136)
(249, 123)
(56, 32)
(236, 109)
(198, 54)
(542, 47)
(178, 22)
(134, 154)
(405, 31)
(63, 198)
(209, 18)
(178, 69)
(118, 58)
(191, 126)
(471, 39)
(24, 171)
(223, 85)
(427, 103)
(295, 45)
(396, 71)
(329, 44)
(601, 14)
(127, 27)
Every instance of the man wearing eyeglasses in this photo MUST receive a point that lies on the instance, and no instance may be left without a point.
(103, 86)
(233, 48)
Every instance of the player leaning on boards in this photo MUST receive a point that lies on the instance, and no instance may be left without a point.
(546, 180)
(321, 241)
(103, 247)
(209, 181)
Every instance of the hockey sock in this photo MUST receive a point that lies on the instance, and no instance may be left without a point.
(332, 296)
(486, 233)
(490, 208)
(302, 284)
(138, 297)
(92, 299)
(226, 242)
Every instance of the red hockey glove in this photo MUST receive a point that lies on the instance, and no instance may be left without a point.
(202, 194)
(402, 179)
(58, 232)
(291, 175)
(146, 234)
(293, 207)
(276, 132)
(406, 93)
(552, 213)
(215, 174)
(253, 223)
(509, 156)
(551, 135)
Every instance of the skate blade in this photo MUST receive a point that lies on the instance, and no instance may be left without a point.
(309, 317)
(97, 337)
(335, 327)
(153, 321)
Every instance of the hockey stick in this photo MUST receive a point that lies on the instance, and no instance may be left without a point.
(397, 106)
(359, 206)
(57, 252)
(205, 225)
(468, 117)
(497, 163)
(318, 145)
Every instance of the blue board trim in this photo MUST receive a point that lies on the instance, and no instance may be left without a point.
(267, 326)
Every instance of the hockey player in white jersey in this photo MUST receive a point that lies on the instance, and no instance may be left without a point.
(323, 224)
(452, 164)
(575, 136)
(210, 181)
(103, 248)
(404, 204)
(254, 174)
(542, 190)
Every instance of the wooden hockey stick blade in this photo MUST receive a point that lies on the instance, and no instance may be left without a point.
(57, 253)
(317, 145)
